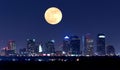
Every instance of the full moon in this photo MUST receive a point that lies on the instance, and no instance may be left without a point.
(53, 15)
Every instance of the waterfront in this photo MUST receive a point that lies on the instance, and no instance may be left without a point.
(60, 62)
(57, 58)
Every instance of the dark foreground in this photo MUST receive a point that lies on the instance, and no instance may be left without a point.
(83, 63)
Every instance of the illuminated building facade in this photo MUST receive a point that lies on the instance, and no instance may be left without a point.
(40, 50)
(11, 45)
(36, 49)
(31, 46)
(23, 51)
(50, 47)
(66, 44)
(88, 45)
(3, 51)
(101, 44)
(110, 50)
(11, 48)
(75, 44)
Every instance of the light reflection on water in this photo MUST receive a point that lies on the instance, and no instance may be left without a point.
(37, 59)
(63, 59)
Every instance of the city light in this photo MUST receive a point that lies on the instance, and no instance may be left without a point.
(34, 40)
(63, 52)
(48, 54)
(53, 41)
(66, 37)
(101, 36)
(40, 48)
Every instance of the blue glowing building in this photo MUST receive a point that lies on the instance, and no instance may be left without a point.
(101, 44)
(66, 44)
(75, 44)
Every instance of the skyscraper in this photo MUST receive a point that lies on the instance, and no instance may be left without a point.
(36, 48)
(75, 44)
(50, 47)
(11, 45)
(88, 45)
(110, 50)
(101, 44)
(66, 44)
(31, 46)
(23, 51)
(11, 48)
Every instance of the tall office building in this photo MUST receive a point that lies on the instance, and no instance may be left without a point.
(31, 46)
(66, 44)
(75, 44)
(36, 49)
(23, 51)
(3, 51)
(11, 45)
(50, 48)
(11, 48)
(110, 50)
(88, 45)
(101, 44)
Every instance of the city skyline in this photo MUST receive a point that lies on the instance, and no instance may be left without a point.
(87, 45)
(21, 20)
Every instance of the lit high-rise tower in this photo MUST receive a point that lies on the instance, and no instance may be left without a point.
(88, 45)
(101, 44)
(66, 44)
(50, 48)
(31, 46)
(75, 44)
(11, 48)
(11, 45)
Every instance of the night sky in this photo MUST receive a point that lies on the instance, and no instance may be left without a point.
(23, 19)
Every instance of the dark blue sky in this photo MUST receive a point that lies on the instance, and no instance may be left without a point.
(22, 19)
